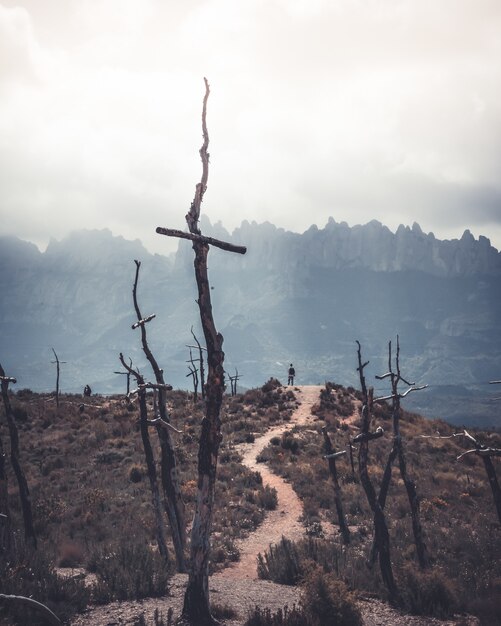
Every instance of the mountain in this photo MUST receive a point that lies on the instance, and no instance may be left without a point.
(301, 298)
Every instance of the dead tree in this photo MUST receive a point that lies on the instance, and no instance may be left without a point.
(397, 450)
(486, 454)
(5, 524)
(169, 472)
(234, 381)
(150, 459)
(127, 374)
(331, 457)
(381, 535)
(201, 357)
(58, 364)
(196, 608)
(194, 374)
(15, 459)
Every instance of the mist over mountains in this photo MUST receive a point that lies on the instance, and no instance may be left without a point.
(301, 298)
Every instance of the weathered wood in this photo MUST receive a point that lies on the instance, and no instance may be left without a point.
(8, 379)
(196, 607)
(150, 463)
(15, 459)
(485, 453)
(381, 535)
(202, 239)
(173, 500)
(144, 321)
(32, 604)
(58, 364)
(379, 432)
(5, 521)
(201, 358)
(331, 456)
(397, 451)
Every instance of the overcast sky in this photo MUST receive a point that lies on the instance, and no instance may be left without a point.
(355, 109)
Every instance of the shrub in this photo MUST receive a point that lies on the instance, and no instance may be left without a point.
(222, 611)
(280, 563)
(271, 385)
(285, 617)
(31, 574)
(136, 474)
(327, 601)
(428, 593)
(267, 498)
(71, 554)
(129, 571)
(289, 442)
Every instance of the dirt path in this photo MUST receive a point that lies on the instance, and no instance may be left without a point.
(284, 520)
(238, 586)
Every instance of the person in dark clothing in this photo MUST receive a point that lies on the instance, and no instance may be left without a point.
(87, 391)
(292, 373)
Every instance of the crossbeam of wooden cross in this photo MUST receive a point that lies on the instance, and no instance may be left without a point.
(8, 379)
(229, 247)
(144, 321)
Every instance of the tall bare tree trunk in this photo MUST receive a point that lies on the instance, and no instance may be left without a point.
(343, 526)
(150, 462)
(398, 451)
(173, 501)
(15, 459)
(382, 537)
(196, 608)
(5, 523)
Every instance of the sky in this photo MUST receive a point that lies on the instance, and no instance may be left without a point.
(355, 109)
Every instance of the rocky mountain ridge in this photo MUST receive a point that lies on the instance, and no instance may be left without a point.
(291, 298)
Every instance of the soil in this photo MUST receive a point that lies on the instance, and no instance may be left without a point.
(238, 586)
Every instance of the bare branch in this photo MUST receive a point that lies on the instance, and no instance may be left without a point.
(37, 606)
(223, 245)
(369, 436)
(334, 455)
(400, 395)
(8, 379)
(158, 421)
(143, 321)
(163, 386)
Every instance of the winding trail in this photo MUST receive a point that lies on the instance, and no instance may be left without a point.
(284, 520)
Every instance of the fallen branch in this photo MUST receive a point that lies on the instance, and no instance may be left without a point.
(34, 604)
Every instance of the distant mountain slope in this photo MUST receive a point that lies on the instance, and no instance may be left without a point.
(292, 298)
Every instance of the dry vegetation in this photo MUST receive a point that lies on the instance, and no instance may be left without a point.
(91, 498)
(462, 532)
(92, 506)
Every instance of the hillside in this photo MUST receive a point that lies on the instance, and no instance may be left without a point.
(91, 498)
(292, 298)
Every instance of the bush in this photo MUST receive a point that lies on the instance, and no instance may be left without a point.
(268, 499)
(135, 474)
(71, 554)
(285, 617)
(280, 563)
(428, 593)
(129, 571)
(327, 601)
(31, 574)
(222, 611)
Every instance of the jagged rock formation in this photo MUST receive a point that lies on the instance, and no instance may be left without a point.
(294, 297)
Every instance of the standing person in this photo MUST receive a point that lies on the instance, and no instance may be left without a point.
(292, 373)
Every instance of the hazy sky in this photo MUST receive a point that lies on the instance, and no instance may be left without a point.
(356, 109)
